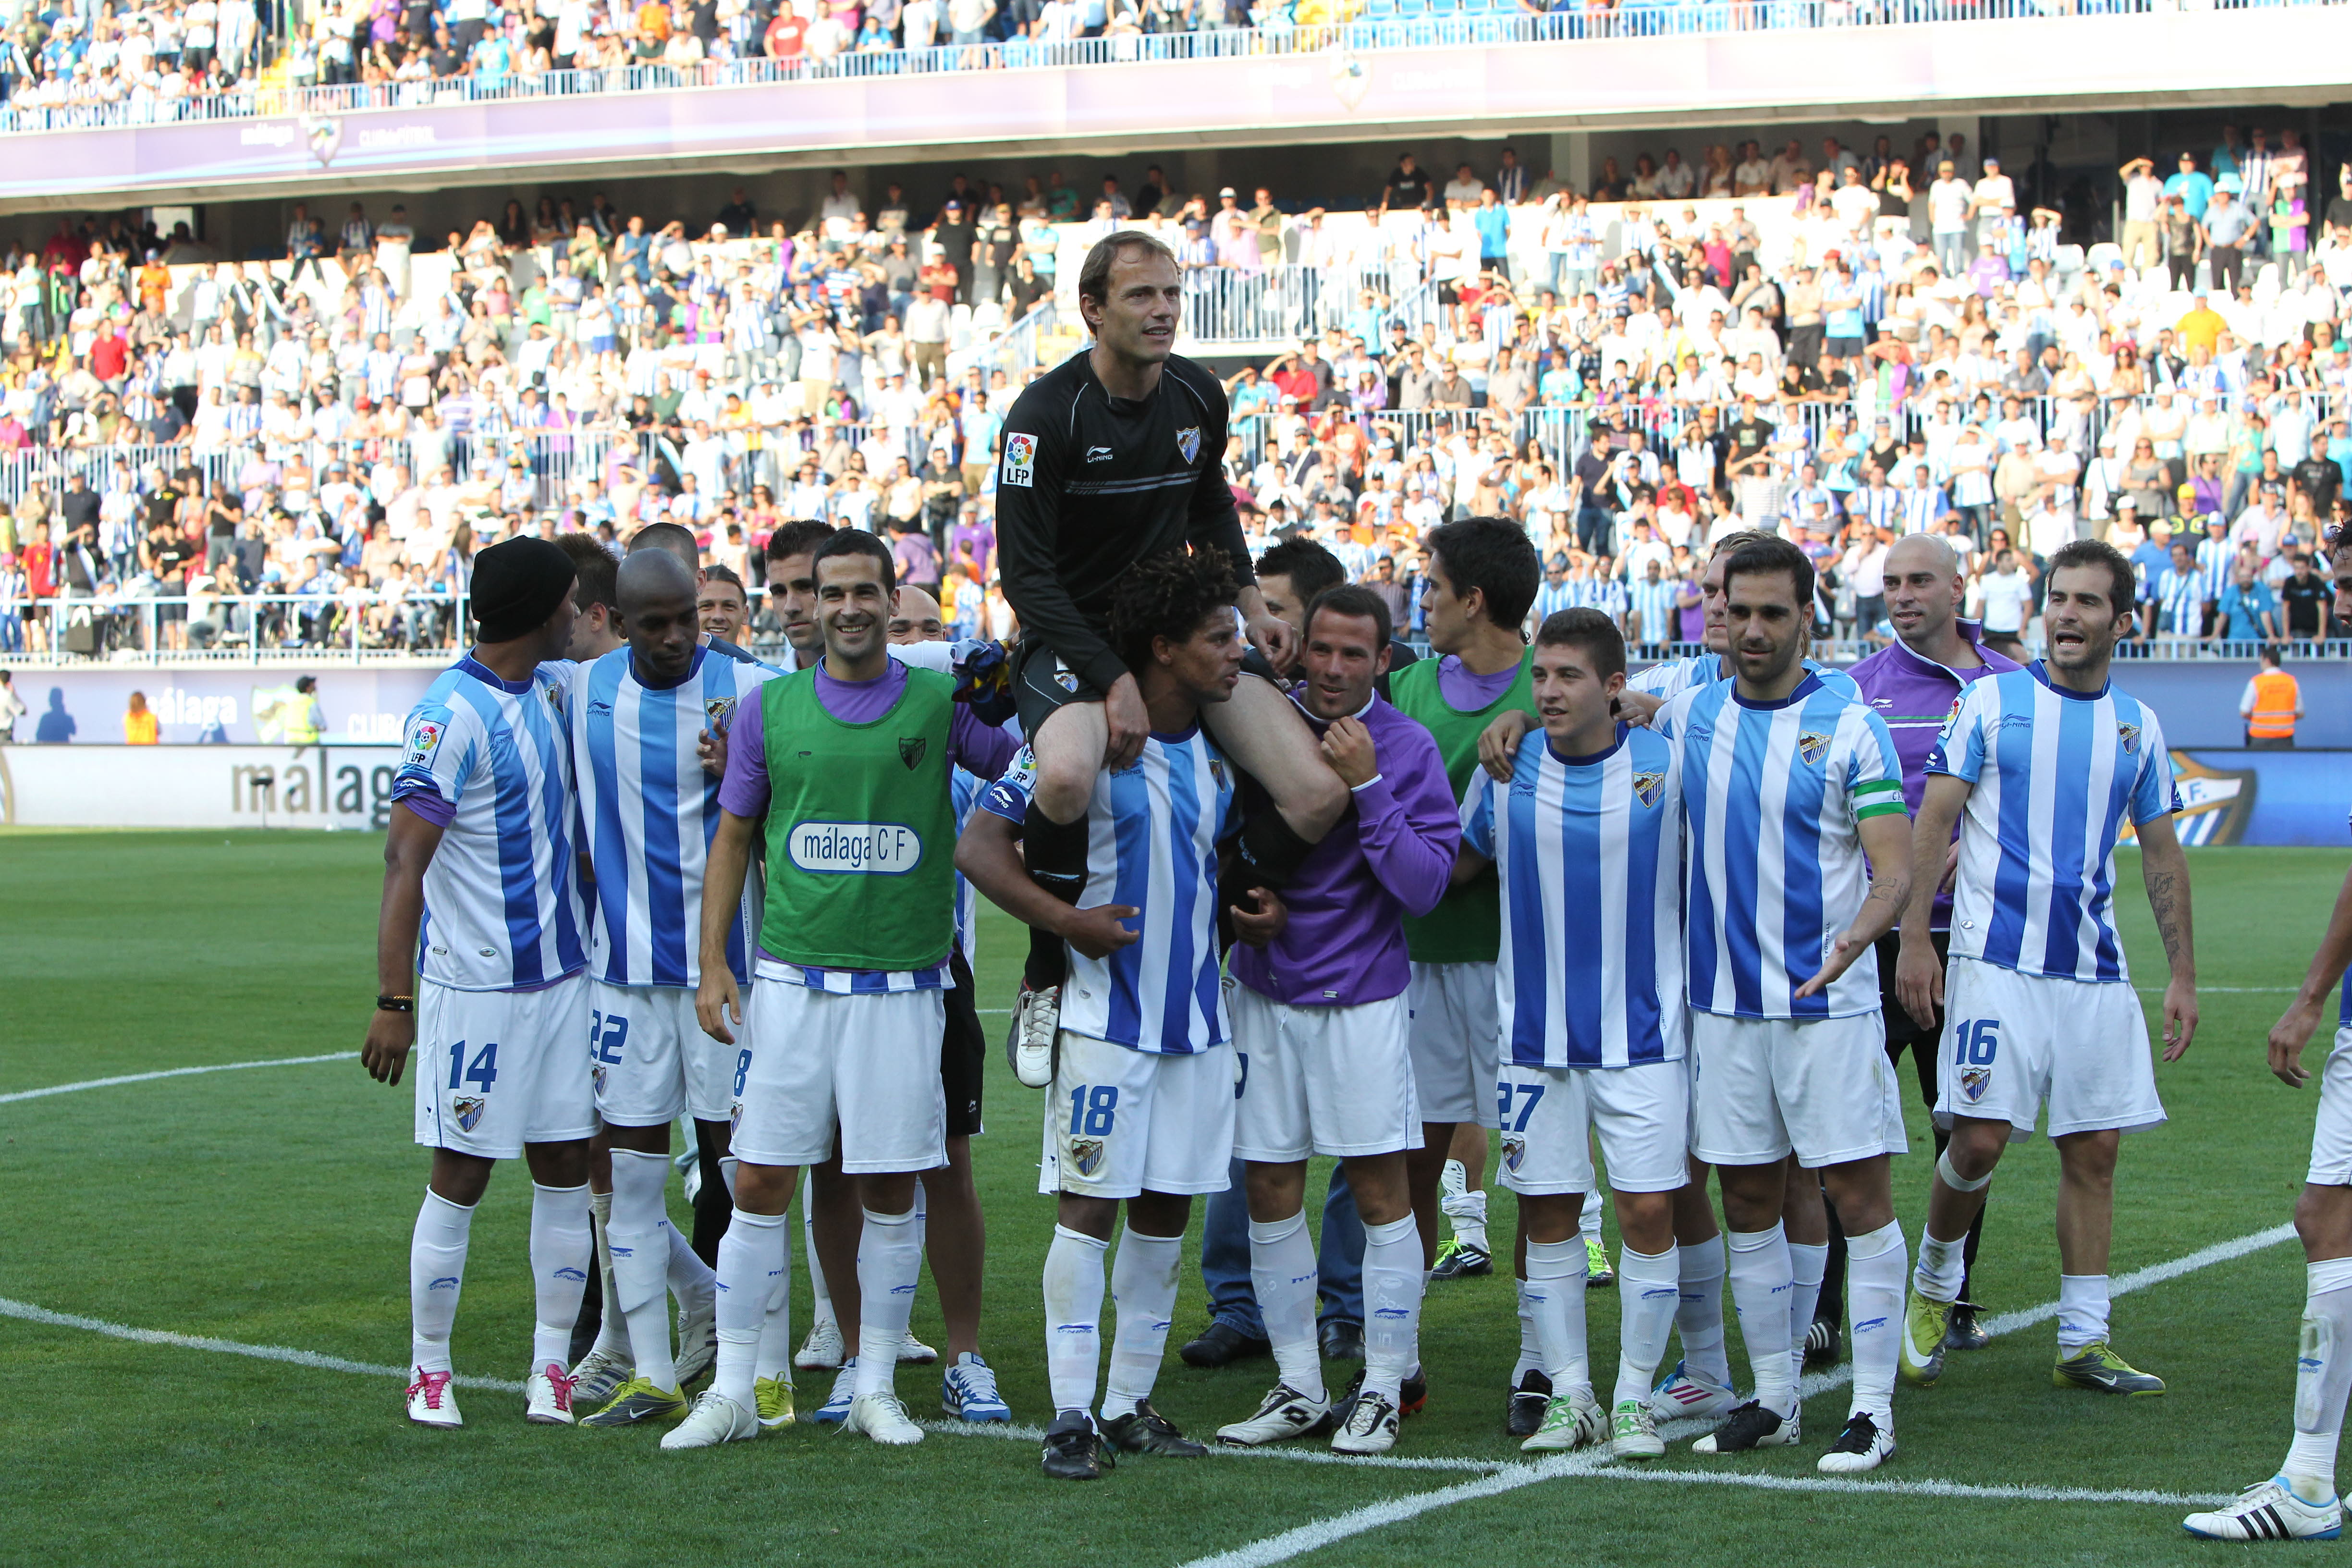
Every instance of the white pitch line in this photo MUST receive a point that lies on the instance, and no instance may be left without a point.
(1909, 1489)
(2224, 990)
(170, 1072)
(1322, 1533)
(1224, 1451)
(311, 1359)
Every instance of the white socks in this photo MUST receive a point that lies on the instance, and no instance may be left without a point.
(1531, 1357)
(1587, 1224)
(1391, 1305)
(437, 1274)
(612, 1329)
(1143, 1297)
(637, 1237)
(1806, 1266)
(1556, 1300)
(1699, 1312)
(1760, 1275)
(1942, 1264)
(691, 1279)
(755, 1264)
(2082, 1311)
(1647, 1291)
(560, 1256)
(1283, 1273)
(2322, 1379)
(1465, 1208)
(820, 1299)
(1073, 1293)
(1873, 1311)
(890, 1266)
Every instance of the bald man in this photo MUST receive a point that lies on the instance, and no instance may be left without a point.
(1912, 684)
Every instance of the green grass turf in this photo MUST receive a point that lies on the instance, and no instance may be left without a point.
(273, 1207)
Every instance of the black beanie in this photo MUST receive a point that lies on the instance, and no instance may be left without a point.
(517, 586)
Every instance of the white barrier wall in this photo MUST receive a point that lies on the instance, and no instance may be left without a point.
(326, 786)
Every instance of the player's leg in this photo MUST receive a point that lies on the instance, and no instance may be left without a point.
(638, 1241)
(436, 1276)
(1340, 1262)
(1069, 733)
(1804, 1217)
(600, 1337)
(1597, 1272)
(714, 1203)
(1962, 1330)
(542, 1058)
(1234, 1333)
(823, 1350)
(834, 1225)
(1074, 1280)
(1547, 1161)
(2086, 1207)
(1738, 1127)
(1392, 1290)
(1641, 1121)
(1267, 737)
(1143, 1283)
(1863, 1195)
(956, 1233)
(1462, 1187)
(1699, 1384)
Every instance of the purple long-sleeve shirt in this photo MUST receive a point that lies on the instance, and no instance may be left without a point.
(1914, 695)
(1391, 855)
(975, 746)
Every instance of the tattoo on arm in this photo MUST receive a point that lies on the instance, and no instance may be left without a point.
(2165, 902)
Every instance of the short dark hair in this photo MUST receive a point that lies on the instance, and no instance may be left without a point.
(593, 568)
(676, 538)
(2123, 585)
(797, 538)
(1769, 555)
(857, 541)
(1310, 567)
(1589, 631)
(718, 571)
(1167, 595)
(1495, 557)
(1353, 599)
(1093, 273)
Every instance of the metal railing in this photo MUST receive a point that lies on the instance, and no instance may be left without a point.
(1376, 25)
(346, 626)
(1231, 305)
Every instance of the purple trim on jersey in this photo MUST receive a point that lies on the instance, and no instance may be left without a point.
(1391, 856)
(426, 802)
(1466, 691)
(1906, 690)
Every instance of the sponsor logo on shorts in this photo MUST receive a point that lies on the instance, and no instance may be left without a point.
(1021, 460)
(859, 848)
(1188, 441)
(2129, 735)
(1087, 1155)
(1515, 1150)
(1974, 1081)
(468, 1108)
(1648, 786)
(1812, 745)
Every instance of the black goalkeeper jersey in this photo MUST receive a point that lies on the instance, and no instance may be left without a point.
(1089, 484)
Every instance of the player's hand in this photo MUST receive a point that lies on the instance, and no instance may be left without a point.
(1842, 954)
(1500, 743)
(1273, 637)
(390, 1038)
(710, 748)
(1638, 708)
(1919, 982)
(1097, 933)
(1131, 723)
(1265, 921)
(2180, 1017)
(717, 1005)
(2289, 1036)
(1348, 747)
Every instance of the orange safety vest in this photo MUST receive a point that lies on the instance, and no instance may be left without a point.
(2273, 715)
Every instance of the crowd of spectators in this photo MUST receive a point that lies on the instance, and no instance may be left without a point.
(1626, 376)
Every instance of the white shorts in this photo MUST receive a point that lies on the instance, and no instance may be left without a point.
(652, 1062)
(868, 1060)
(1763, 1086)
(2012, 1042)
(1456, 1037)
(1550, 1114)
(498, 1070)
(2331, 1137)
(1322, 1080)
(1121, 1122)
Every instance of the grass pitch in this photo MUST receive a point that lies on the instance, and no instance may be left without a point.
(271, 1208)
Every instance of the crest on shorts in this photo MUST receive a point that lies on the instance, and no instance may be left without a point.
(911, 749)
(598, 1074)
(1019, 460)
(717, 710)
(1812, 745)
(1515, 1150)
(468, 1108)
(1065, 677)
(1648, 786)
(1087, 1155)
(2129, 735)
(1188, 441)
(1974, 1081)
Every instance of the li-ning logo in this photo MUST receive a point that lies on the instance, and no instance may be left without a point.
(1099, 454)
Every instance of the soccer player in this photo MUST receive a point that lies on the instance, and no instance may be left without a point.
(1319, 1017)
(850, 762)
(1589, 845)
(2048, 763)
(479, 856)
(1786, 784)
(1141, 1107)
(1912, 683)
(1112, 458)
(722, 604)
(649, 810)
(1482, 576)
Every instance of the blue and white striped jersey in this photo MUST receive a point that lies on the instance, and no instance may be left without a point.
(1774, 797)
(966, 786)
(1671, 677)
(491, 763)
(1153, 831)
(1589, 850)
(2057, 773)
(648, 812)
